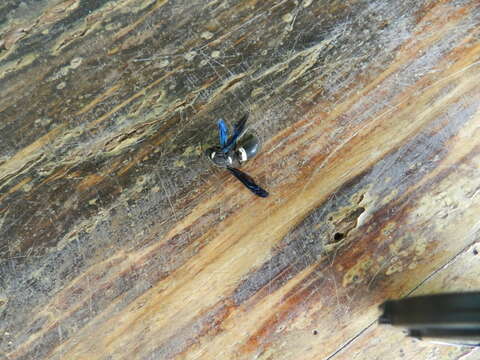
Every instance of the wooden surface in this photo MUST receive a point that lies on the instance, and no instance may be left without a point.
(118, 240)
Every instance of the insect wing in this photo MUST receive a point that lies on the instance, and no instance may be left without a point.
(222, 132)
(248, 182)
(237, 131)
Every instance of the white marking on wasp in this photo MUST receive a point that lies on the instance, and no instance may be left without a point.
(212, 155)
(230, 160)
(243, 154)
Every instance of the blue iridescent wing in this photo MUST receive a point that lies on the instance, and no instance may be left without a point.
(248, 182)
(237, 131)
(222, 132)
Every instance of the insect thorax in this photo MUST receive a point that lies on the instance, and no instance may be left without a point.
(219, 157)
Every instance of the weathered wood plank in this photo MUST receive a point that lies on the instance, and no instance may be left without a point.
(379, 342)
(119, 240)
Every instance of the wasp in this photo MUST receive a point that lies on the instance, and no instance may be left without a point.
(234, 151)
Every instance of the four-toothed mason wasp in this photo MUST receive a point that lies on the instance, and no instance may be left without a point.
(230, 154)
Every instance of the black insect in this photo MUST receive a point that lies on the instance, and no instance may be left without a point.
(230, 154)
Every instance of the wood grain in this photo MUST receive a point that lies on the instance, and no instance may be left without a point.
(118, 240)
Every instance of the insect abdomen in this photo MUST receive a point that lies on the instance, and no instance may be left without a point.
(248, 148)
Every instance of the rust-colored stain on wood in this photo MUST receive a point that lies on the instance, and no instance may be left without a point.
(118, 239)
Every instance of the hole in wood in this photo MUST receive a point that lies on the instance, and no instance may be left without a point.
(338, 236)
